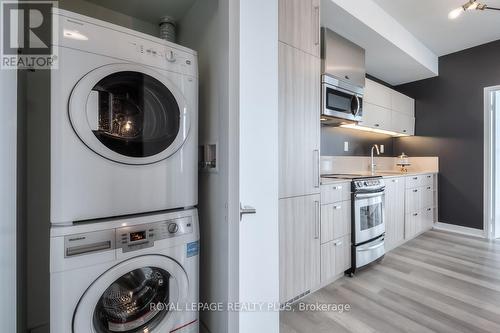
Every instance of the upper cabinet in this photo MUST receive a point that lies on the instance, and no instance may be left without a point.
(388, 110)
(377, 94)
(299, 24)
(402, 103)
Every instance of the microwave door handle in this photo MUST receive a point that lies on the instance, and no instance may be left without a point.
(358, 103)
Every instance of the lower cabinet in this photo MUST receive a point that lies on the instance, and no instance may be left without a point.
(335, 258)
(420, 205)
(394, 212)
(299, 244)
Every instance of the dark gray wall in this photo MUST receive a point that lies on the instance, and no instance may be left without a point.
(360, 143)
(449, 124)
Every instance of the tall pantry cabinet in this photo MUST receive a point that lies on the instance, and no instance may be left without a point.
(299, 147)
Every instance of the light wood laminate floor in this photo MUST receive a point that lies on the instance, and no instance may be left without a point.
(438, 282)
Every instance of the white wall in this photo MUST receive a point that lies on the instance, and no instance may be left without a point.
(8, 153)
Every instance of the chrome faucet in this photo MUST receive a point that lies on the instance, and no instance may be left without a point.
(373, 165)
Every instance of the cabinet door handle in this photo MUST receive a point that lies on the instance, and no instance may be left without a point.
(337, 188)
(316, 219)
(429, 209)
(415, 178)
(338, 243)
(316, 168)
(429, 188)
(415, 214)
(337, 207)
(394, 180)
(415, 191)
(316, 25)
(377, 125)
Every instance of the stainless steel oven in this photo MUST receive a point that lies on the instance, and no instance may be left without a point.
(368, 221)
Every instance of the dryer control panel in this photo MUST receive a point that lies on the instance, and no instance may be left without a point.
(128, 238)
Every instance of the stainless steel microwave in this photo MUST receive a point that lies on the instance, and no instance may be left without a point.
(341, 102)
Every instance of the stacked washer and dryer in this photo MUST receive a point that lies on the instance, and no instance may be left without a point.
(124, 236)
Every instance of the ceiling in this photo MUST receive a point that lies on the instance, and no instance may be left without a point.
(428, 21)
(393, 54)
(148, 10)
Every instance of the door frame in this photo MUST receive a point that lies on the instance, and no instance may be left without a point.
(489, 165)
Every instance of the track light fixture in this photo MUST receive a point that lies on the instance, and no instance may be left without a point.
(470, 5)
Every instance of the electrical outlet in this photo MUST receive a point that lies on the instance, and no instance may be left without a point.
(382, 149)
(346, 146)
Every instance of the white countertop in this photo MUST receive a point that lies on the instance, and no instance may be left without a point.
(384, 174)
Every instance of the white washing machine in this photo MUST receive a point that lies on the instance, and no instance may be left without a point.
(124, 122)
(126, 275)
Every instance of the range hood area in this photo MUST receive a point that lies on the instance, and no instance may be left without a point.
(342, 79)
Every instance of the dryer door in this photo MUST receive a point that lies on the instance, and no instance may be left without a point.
(129, 114)
(134, 296)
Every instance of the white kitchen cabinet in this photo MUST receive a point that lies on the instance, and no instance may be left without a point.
(299, 244)
(402, 104)
(377, 94)
(402, 123)
(335, 258)
(299, 24)
(375, 116)
(420, 204)
(335, 220)
(394, 212)
(331, 193)
(299, 126)
(413, 202)
(413, 222)
(387, 109)
(428, 218)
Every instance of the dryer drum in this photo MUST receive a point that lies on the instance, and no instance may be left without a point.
(138, 115)
(126, 305)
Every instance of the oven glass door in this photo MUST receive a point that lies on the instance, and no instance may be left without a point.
(340, 103)
(369, 216)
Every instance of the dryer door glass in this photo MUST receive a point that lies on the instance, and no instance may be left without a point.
(126, 305)
(134, 114)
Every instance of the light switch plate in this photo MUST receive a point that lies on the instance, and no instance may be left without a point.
(346, 146)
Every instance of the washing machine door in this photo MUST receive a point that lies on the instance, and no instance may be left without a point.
(134, 296)
(129, 114)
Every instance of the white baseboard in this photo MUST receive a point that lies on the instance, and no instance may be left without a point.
(459, 229)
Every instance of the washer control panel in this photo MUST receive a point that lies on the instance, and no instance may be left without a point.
(143, 236)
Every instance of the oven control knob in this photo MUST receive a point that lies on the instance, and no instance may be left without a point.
(173, 228)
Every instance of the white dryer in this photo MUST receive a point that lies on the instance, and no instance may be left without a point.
(126, 275)
(124, 122)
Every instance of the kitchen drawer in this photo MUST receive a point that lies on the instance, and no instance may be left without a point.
(412, 224)
(413, 199)
(335, 220)
(335, 258)
(428, 218)
(428, 180)
(414, 181)
(331, 193)
(427, 196)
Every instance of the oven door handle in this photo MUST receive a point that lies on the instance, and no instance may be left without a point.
(373, 247)
(368, 195)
